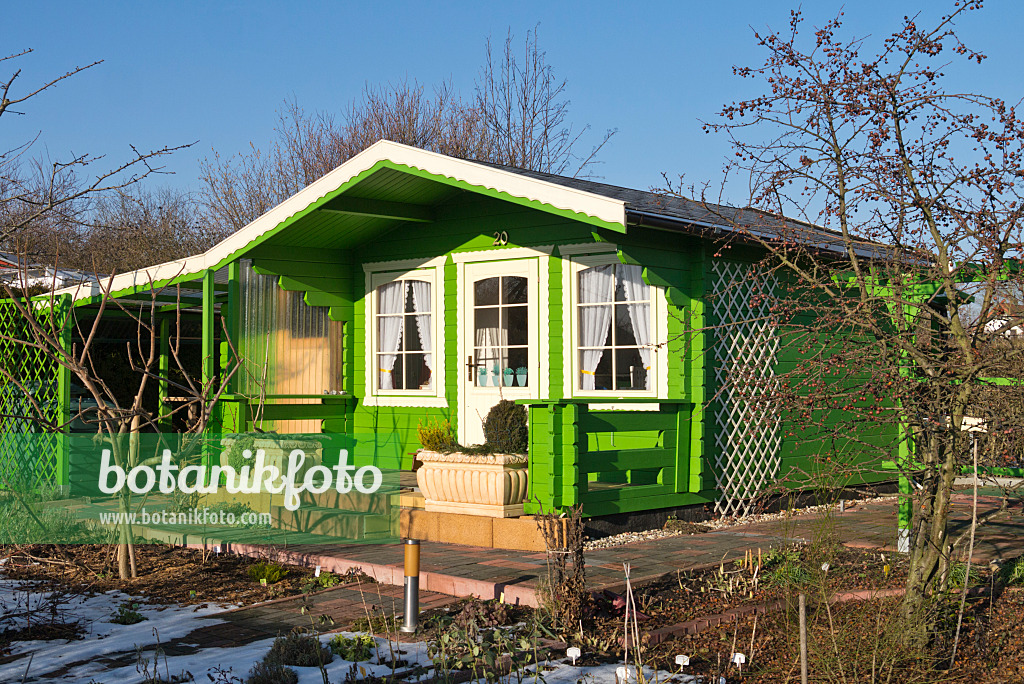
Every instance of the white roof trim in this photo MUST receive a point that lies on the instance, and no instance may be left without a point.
(517, 185)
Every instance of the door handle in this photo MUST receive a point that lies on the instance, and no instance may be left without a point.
(469, 368)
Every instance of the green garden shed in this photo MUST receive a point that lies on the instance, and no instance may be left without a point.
(406, 286)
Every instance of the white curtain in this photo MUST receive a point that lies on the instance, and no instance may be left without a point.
(391, 300)
(596, 285)
(639, 313)
(491, 343)
(421, 303)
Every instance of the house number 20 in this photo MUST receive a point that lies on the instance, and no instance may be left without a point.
(500, 239)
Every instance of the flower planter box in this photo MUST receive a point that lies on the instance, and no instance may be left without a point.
(493, 485)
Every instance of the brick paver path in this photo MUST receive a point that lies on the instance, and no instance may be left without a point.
(343, 604)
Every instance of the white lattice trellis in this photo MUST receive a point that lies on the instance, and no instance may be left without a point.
(745, 347)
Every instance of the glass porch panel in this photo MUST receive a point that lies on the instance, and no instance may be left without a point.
(285, 345)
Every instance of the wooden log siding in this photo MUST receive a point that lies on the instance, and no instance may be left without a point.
(608, 461)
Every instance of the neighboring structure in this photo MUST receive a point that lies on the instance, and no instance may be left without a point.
(406, 285)
(18, 273)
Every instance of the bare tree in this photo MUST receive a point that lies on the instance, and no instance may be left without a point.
(307, 146)
(135, 227)
(917, 187)
(518, 117)
(38, 190)
(525, 112)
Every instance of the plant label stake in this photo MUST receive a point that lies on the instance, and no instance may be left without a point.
(682, 661)
(803, 639)
(216, 549)
(573, 653)
(316, 572)
(738, 660)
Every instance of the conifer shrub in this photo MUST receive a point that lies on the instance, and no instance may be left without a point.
(437, 436)
(505, 428)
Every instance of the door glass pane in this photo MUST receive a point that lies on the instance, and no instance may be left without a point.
(514, 290)
(515, 322)
(518, 360)
(486, 292)
(501, 332)
(488, 333)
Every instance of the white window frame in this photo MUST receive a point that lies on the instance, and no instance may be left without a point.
(580, 258)
(382, 273)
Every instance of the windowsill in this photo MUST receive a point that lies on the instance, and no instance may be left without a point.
(610, 395)
(255, 397)
(408, 400)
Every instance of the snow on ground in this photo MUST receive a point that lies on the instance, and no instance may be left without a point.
(236, 662)
(88, 659)
(101, 636)
(239, 660)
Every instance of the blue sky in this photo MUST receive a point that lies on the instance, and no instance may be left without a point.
(218, 72)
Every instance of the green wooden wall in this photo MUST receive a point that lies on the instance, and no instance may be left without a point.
(678, 264)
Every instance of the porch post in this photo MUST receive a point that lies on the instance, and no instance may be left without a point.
(63, 417)
(163, 408)
(209, 359)
(230, 411)
(572, 445)
(209, 353)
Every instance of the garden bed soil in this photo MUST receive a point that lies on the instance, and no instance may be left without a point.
(690, 595)
(166, 574)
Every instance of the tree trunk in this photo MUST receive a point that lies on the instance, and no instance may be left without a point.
(125, 550)
(123, 570)
(929, 558)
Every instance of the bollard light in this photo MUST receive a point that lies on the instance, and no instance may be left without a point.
(412, 586)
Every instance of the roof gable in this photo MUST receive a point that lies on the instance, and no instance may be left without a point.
(330, 193)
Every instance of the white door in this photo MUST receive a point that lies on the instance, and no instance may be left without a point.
(498, 322)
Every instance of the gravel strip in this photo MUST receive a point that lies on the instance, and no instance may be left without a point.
(714, 525)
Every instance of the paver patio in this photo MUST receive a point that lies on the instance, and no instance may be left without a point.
(457, 570)
(515, 576)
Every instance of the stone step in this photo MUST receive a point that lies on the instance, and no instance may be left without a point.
(377, 503)
(332, 522)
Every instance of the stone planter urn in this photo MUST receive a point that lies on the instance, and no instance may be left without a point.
(493, 485)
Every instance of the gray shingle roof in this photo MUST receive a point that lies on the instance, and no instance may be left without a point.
(671, 212)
